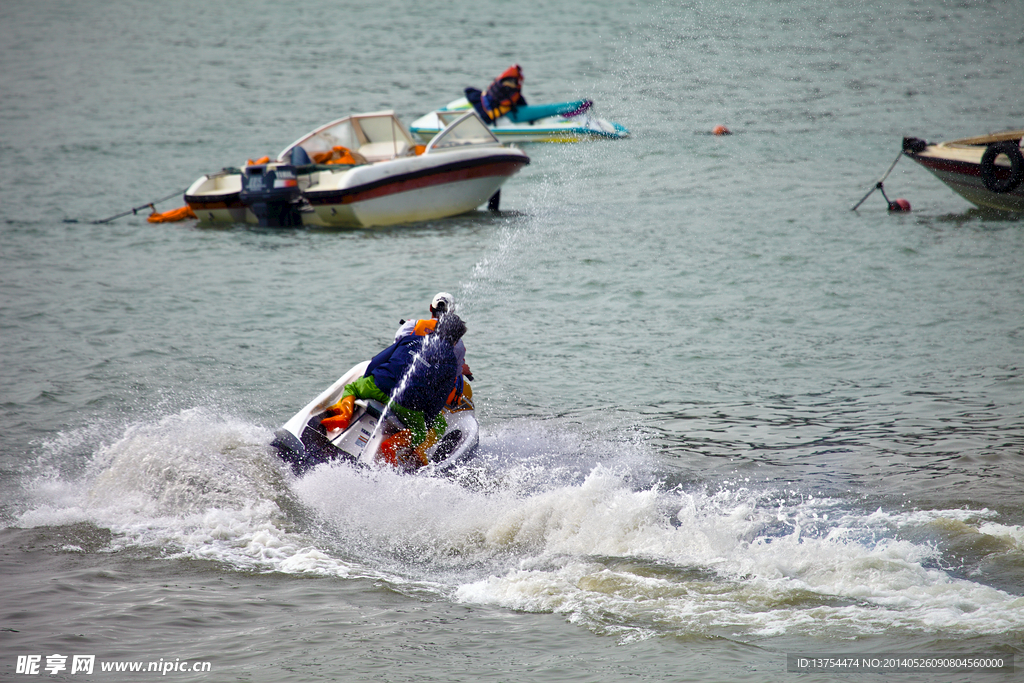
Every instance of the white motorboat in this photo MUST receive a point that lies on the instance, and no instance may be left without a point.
(558, 122)
(361, 171)
(304, 442)
(987, 170)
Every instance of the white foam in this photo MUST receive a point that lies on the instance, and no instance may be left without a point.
(192, 484)
(1013, 535)
(538, 524)
(760, 567)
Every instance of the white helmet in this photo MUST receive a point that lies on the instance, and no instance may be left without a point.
(442, 303)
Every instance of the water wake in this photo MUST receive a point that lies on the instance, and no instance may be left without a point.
(546, 520)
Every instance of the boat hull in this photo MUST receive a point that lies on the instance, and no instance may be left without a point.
(416, 189)
(958, 164)
(216, 198)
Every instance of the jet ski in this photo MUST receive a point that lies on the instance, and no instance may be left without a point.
(304, 443)
(556, 122)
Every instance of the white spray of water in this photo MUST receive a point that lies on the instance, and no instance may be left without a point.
(522, 530)
(735, 563)
(191, 484)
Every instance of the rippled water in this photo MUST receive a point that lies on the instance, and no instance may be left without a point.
(724, 418)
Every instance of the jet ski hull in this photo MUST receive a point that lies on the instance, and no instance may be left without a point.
(304, 443)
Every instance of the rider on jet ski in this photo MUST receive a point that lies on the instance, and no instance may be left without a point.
(441, 304)
(503, 95)
(413, 377)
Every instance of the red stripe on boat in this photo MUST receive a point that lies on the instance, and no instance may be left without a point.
(418, 180)
(949, 166)
(200, 203)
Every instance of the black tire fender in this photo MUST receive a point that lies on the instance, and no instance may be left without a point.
(988, 167)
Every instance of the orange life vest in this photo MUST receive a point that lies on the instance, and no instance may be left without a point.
(424, 327)
(504, 94)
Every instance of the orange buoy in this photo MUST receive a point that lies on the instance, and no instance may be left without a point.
(900, 205)
(720, 130)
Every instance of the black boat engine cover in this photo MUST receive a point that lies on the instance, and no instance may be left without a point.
(271, 191)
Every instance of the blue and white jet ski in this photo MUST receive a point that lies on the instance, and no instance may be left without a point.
(304, 443)
(556, 122)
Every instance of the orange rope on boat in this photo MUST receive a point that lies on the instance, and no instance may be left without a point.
(172, 216)
(261, 160)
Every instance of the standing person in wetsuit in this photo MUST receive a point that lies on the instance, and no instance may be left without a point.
(503, 95)
(413, 378)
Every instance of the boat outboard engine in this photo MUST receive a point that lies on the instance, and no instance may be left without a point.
(271, 191)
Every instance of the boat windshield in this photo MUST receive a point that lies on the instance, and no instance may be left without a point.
(466, 129)
(377, 135)
(382, 129)
(447, 118)
(325, 138)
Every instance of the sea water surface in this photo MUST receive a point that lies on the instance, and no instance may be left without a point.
(725, 419)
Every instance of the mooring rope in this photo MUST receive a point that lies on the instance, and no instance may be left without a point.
(878, 185)
(143, 206)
